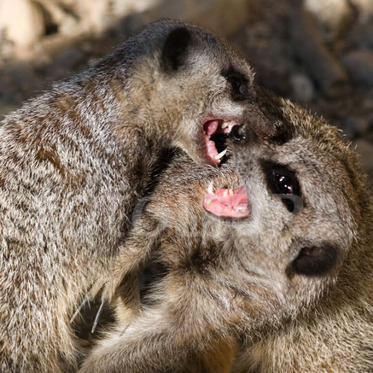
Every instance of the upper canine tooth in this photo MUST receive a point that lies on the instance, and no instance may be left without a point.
(224, 125)
(221, 154)
(210, 188)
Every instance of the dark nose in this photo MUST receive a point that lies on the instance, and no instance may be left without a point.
(238, 133)
(256, 127)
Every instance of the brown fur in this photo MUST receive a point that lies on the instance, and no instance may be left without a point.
(73, 163)
(287, 291)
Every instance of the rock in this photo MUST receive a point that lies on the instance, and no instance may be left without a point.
(365, 149)
(21, 21)
(335, 15)
(8, 103)
(365, 8)
(356, 126)
(131, 6)
(70, 58)
(321, 63)
(362, 35)
(367, 102)
(359, 65)
(261, 46)
(302, 88)
(224, 17)
(94, 14)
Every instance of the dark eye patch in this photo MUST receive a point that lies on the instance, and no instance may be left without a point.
(240, 84)
(283, 182)
(315, 260)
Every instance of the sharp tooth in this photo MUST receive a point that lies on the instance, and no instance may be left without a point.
(220, 155)
(210, 188)
(231, 125)
(227, 126)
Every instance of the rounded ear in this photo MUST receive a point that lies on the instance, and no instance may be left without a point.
(315, 260)
(175, 49)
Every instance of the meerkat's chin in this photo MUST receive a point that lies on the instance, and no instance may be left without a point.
(227, 203)
(215, 132)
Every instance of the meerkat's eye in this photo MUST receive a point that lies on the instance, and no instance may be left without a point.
(283, 182)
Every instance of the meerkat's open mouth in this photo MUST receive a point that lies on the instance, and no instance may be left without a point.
(227, 203)
(216, 132)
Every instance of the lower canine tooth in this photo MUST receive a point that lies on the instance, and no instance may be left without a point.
(220, 155)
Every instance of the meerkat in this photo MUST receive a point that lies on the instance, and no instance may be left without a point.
(266, 264)
(74, 161)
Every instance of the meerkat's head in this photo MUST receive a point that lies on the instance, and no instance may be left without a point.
(210, 89)
(189, 85)
(294, 220)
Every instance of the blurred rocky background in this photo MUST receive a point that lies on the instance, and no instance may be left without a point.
(316, 52)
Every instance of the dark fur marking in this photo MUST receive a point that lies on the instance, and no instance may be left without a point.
(176, 48)
(165, 158)
(200, 259)
(51, 156)
(282, 133)
(153, 272)
(281, 129)
(240, 85)
(82, 325)
(292, 199)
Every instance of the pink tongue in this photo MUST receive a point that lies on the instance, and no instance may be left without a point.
(211, 150)
(227, 203)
